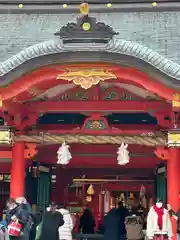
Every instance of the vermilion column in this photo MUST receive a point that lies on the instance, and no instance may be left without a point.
(173, 182)
(17, 170)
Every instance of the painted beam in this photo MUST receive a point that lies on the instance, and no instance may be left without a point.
(94, 106)
(7, 155)
(143, 127)
(104, 162)
(113, 132)
(114, 129)
(145, 173)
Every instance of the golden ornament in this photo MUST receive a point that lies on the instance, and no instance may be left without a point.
(86, 77)
(86, 26)
(109, 4)
(84, 9)
(20, 6)
(154, 4)
(90, 190)
(65, 5)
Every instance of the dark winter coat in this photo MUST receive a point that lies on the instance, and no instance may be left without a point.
(114, 224)
(50, 225)
(29, 211)
(23, 217)
(87, 223)
(123, 213)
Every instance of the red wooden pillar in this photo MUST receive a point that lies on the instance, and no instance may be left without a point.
(17, 184)
(173, 182)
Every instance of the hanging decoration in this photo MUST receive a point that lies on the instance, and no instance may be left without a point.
(123, 154)
(90, 190)
(89, 198)
(64, 155)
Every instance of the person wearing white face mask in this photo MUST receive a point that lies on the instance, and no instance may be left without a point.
(158, 222)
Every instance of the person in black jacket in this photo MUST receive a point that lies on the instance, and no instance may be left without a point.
(32, 220)
(15, 212)
(52, 220)
(176, 216)
(114, 223)
(87, 223)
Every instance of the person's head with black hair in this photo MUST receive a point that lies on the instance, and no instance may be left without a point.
(87, 213)
(53, 206)
(120, 204)
(11, 203)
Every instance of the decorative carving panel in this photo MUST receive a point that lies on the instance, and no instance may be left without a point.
(95, 125)
(78, 94)
(98, 93)
(115, 93)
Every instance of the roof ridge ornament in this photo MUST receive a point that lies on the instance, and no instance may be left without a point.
(86, 29)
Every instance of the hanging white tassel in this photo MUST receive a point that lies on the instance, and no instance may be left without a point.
(64, 155)
(123, 154)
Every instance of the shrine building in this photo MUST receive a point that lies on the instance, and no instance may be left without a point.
(93, 78)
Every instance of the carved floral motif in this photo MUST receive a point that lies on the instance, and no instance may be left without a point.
(95, 125)
(86, 77)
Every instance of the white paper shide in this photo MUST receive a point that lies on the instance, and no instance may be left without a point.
(64, 155)
(123, 154)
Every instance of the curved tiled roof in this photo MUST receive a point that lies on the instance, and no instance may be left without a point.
(166, 66)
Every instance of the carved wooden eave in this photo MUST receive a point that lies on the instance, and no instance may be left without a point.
(117, 51)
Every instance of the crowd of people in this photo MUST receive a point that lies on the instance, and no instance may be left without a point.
(57, 223)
